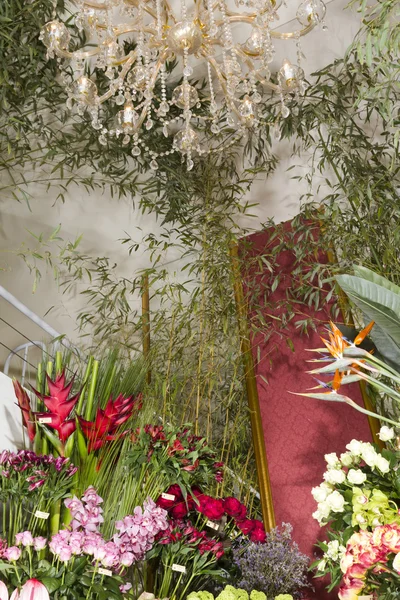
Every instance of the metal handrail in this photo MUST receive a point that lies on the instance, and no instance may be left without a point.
(28, 312)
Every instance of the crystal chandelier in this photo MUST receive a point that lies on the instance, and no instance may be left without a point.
(231, 45)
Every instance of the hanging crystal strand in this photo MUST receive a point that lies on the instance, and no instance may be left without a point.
(300, 55)
(159, 20)
(227, 56)
(285, 112)
(213, 104)
(213, 29)
(187, 112)
(164, 106)
(54, 10)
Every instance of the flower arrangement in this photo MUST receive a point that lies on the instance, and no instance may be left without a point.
(274, 567)
(360, 499)
(201, 530)
(30, 485)
(78, 561)
(150, 526)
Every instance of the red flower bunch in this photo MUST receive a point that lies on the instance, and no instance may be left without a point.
(213, 509)
(107, 423)
(179, 530)
(190, 451)
(57, 402)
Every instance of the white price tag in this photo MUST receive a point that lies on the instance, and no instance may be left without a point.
(42, 515)
(212, 525)
(179, 568)
(168, 497)
(104, 571)
(44, 420)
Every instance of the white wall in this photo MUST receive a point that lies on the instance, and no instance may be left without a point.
(104, 220)
(11, 436)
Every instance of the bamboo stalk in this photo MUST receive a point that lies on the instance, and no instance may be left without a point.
(92, 389)
(146, 322)
(252, 396)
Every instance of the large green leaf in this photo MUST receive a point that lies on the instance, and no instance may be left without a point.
(379, 304)
(369, 275)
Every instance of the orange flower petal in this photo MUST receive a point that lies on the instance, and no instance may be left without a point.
(363, 333)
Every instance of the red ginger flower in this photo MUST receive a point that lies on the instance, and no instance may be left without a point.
(106, 425)
(25, 405)
(59, 406)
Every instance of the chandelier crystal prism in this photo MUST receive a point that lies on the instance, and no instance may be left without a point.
(144, 53)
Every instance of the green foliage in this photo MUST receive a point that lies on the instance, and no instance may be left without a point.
(379, 301)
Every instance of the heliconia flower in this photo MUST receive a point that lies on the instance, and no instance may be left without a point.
(25, 405)
(106, 426)
(59, 406)
(34, 590)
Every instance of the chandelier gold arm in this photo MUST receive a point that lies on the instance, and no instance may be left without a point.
(129, 62)
(281, 35)
(250, 64)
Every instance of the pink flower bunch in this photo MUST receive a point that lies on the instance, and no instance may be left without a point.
(38, 468)
(213, 509)
(86, 513)
(368, 552)
(179, 530)
(137, 532)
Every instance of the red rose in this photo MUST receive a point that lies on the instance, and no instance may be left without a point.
(246, 526)
(234, 508)
(173, 490)
(258, 533)
(179, 510)
(213, 509)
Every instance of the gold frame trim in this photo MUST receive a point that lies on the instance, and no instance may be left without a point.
(257, 431)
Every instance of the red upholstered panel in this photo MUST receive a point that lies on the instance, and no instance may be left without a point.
(298, 431)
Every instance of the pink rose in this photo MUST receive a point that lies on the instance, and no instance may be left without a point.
(12, 553)
(39, 543)
(25, 538)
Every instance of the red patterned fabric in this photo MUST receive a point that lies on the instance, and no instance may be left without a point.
(298, 431)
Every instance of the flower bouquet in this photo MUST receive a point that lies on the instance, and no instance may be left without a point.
(200, 532)
(360, 499)
(77, 561)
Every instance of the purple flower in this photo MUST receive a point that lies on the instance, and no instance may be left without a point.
(274, 567)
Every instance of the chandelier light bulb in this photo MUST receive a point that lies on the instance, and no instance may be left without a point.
(311, 12)
(84, 91)
(185, 36)
(127, 49)
(290, 77)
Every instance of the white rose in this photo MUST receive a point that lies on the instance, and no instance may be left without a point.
(356, 476)
(382, 464)
(332, 459)
(386, 433)
(320, 493)
(335, 476)
(396, 563)
(318, 516)
(355, 447)
(333, 550)
(322, 565)
(369, 455)
(335, 501)
(346, 459)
